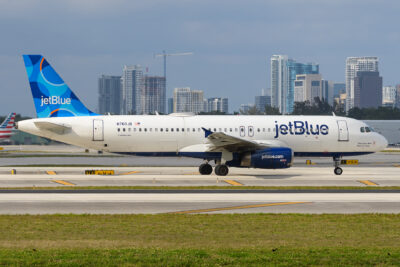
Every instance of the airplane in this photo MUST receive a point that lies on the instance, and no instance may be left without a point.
(267, 142)
(7, 127)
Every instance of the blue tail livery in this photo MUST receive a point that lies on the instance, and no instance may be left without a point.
(52, 97)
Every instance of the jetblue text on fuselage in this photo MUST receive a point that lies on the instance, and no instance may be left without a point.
(54, 100)
(300, 128)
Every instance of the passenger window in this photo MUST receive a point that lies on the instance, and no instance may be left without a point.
(198, 129)
(172, 129)
(150, 129)
(134, 129)
(194, 129)
(269, 129)
(177, 129)
(145, 129)
(183, 129)
(230, 129)
(129, 129)
(215, 129)
(362, 129)
(119, 129)
(220, 129)
(156, 129)
(258, 129)
(161, 129)
(225, 130)
(236, 129)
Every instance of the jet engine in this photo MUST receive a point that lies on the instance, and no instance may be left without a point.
(269, 158)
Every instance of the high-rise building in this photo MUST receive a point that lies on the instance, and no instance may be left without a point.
(152, 97)
(307, 87)
(367, 89)
(186, 100)
(354, 65)
(261, 101)
(389, 94)
(283, 75)
(218, 104)
(132, 87)
(109, 94)
(170, 105)
(338, 89)
(398, 96)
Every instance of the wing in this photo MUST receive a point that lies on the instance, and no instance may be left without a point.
(220, 141)
(58, 128)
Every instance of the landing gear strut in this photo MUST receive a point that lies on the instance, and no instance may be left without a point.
(337, 170)
(221, 170)
(205, 169)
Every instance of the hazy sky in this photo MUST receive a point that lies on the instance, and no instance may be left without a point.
(232, 42)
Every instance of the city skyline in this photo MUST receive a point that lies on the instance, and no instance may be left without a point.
(232, 42)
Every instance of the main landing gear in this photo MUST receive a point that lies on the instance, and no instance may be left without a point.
(337, 170)
(220, 169)
(205, 169)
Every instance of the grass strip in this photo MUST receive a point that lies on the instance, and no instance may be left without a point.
(199, 231)
(360, 188)
(200, 240)
(203, 257)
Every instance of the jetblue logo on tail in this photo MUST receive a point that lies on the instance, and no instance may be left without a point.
(55, 100)
(300, 128)
(52, 97)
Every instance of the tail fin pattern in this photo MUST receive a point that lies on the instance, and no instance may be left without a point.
(52, 97)
(8, 123)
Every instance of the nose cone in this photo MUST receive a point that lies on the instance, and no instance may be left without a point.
(381, 142)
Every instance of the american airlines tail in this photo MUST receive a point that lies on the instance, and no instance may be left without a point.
(7, 126)
(52, 97)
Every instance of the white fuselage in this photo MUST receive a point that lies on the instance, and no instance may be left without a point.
(159, 135)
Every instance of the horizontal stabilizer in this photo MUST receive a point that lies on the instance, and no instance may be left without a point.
(58, 128)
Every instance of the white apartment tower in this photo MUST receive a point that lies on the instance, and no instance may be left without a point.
(186, 100)
(279, 80)
(132, 87)
(353, 65)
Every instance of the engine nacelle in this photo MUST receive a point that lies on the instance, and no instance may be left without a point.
(269, 158)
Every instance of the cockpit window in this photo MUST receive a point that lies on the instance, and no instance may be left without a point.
(362, 129)
(367, 129)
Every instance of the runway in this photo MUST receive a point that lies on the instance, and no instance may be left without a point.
(189, 176)
(192, 203)
(375, 171)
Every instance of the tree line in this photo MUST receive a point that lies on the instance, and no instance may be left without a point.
(322, 107)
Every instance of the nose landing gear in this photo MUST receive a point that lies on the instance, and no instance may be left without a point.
(337, 170)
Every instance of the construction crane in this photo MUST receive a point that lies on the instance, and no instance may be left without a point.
(165, 55)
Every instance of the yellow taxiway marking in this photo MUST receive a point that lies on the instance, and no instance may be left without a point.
(366, 182)
(132, 172)
(396, 165)
(62, 182)
(232, 182)
(239, 207)
(51, 172)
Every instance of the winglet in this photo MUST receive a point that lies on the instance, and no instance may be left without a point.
(206, 132)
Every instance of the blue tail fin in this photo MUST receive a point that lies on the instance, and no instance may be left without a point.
(52, 97)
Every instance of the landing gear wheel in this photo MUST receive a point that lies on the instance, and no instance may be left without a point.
(221, 170)
(338, 171)
(205, 169)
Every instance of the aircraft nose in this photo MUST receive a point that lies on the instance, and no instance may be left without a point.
(382, 142)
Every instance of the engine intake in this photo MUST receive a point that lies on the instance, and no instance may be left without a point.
(269, 158)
